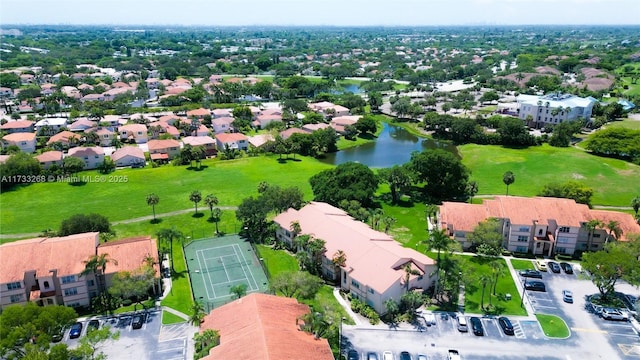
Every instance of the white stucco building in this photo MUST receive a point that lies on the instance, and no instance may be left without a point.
(554, 108)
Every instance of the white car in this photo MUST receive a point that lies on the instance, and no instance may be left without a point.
(613, 314)
(429, 318)
(387, 355)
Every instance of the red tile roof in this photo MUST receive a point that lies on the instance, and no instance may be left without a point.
(627, 223)
(127, 151)
(230, 137)
(18, 124)
(130, 253)
(260, 326)
(62, 137)
(49, 156)
(163, 144)
(21, 136)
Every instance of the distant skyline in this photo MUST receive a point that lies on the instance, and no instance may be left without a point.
(320, 12)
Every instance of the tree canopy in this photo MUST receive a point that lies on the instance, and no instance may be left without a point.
(444, 175)
(569, 190)
(348, 181)
(616, 142)
(81, 223)
(487, 237)
(617, 261)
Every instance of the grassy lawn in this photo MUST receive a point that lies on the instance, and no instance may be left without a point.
(411, 226)
(23, 209)
(179, 297)
(553, 326)
(628, 124)
(277, 261)
(169, 318)
(536, 166)
(522, 264)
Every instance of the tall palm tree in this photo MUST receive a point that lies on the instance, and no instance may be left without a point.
(211, 201)
(438, 240)
(615, 231)
(153, 200)
(591, 227)
(497, 269)
(388, 223)
(216, 214)
(485, 279)
(197, 314)
(635, 204)
(168, 235)
(408, 271)
(195, 197)
(508, 178)
(97, 265)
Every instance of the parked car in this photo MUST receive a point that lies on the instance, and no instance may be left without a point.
(453, 355)
(613, 314)
(531, 274)
(567, 296)
(476, 326)
(353, 355)
(372, 356)
(422, 357)
(429, 318)
(93, 325)
(554, 267)
(506, 325)
(405, 355)
(387, 355)
(535, 286)
(137, 321)
(566, 267)
(541, 265)
(75, 331)
(58, 335)
(462, 323)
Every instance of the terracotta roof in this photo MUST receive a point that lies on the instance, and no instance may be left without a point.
(127, 151)
(260, 139)
(82, 123)
(18, 124)
(62, 137)
(16, 137)
(64, 254)
(49, 156)
(260, 326)
(133, 128)
(86, 151)
(198, 140)
(163, 144)
(314, 127)
(130, 254)
(198, 112)
(462, 216)
(345, 120)
(230, 137)
(627, 223)
(290, 131)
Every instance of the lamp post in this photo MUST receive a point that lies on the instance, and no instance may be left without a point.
(340, 337)
(524, 292)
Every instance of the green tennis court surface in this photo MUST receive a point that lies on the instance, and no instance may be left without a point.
(218, 264)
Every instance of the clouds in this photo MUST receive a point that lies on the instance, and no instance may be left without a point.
(320, 12)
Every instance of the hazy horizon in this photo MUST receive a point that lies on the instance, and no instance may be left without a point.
(333, 13)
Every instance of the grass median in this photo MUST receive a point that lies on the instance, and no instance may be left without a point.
(522, 264)
(553, 326)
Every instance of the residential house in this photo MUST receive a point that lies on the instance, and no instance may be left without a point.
(205, 142)
(92, 156)
(82, 124)
(106, 135)
(25, 141)
(163, 149)
(554, 108)
(134, 133)
(129, 156)
(6, 93)
(290, 131)
(338, 123)
(222, 124)
(198, 113)
(374, 271)
(539, 225)
(165, 128)
(233, 141)
(27, 79)
(257, 141)
(263, 120)
(218, 113)
(17, 126)
(66, 138)
(93, 97)
(262, 326)
(313, 127)
(50, 158)
(130, 255)
(328, 109)
(50, 126)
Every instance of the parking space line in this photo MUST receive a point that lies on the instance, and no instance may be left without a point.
(597, 331)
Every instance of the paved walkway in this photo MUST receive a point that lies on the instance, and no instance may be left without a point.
(355, 317)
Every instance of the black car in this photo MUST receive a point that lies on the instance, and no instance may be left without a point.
(405, 355)
(535, 286)
(93, 325)
(137, 321)
(566, 267)
(353, 355)
(554, 267)
(531, 274)
(476, 326)
(506, 325)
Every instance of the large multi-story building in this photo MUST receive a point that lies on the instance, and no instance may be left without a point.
(554, 108)
(374, 270)
(540, 225)
(49, 271)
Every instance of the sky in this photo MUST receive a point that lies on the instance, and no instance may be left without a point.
(321, 12)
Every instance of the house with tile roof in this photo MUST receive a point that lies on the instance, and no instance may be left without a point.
(374, 269)
(34, 270)
(222, 124)
(82, 125)
(106, 135)
(16, 126)
(134, 132)
(205, 142)
(233, 141)
(50, 158)
(163, 149)
(198, 113)
(538, 225)
(262, 326)
(66, 138)
(329, 109)
(25, 141)
(129, 156)
(218, 113)
(91, 156)
(338, 123)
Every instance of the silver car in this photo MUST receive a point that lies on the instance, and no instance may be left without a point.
(613, 314)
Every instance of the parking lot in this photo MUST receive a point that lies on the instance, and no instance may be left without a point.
(151, 341)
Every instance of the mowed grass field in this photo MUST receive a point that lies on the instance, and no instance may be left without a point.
(615, 182)
(42, 206)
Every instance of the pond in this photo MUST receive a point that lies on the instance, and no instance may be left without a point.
(393, 147)
(349, 88)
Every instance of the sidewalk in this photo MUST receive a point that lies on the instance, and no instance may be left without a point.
(520, 286)
(355, 317)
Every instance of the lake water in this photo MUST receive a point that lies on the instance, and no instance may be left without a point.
(393, 147)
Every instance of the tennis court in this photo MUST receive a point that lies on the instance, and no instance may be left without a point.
(217, 264)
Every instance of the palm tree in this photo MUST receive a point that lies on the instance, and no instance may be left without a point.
(635, 204)
(314, 323)
(216, 214)
(615, 230)
(472, 190)
(430, 211)
(168, 235)
(408, 271)
(339, 258)
(153, 200)
(498, 269)
(591, 226)
(195, 197)
(197, 314)
(388, 223)
(438, 240)
(508, 178)
(205, 341)
(211, 201)
(97, 265)
(484, 280)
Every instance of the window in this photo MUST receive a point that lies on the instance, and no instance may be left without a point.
(561, 250)
(564, 229)
(524, 229)
(46, 284)
(14, 286)
(540, 232)
(596, 236)
(71, 291)
(522, 249)
(91, 283)
(563, 239)
(523, 238)
(16, 298)
(371, 291)
(49, 301)
(344, 277)
(68, 279)
(355, 284)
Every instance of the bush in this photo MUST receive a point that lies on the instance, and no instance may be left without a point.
(365, 310)
(563, 257)
(523, 255)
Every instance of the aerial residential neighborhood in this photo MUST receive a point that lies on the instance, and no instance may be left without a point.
(334, 192)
